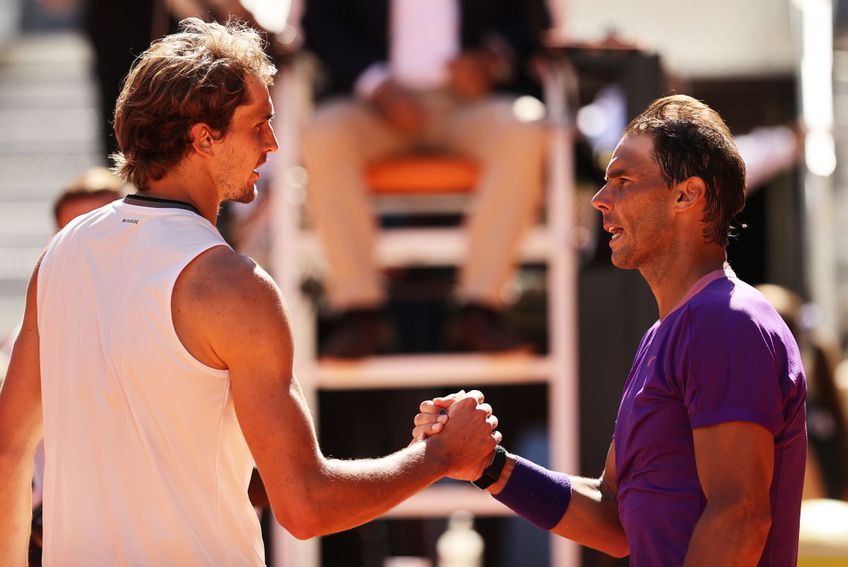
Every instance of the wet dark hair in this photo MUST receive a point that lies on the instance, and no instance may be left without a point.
(691, 140)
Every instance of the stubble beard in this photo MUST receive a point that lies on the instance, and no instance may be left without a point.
(624, 261)
(243, 195)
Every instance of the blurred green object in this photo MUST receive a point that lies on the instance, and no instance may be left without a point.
(823, 539)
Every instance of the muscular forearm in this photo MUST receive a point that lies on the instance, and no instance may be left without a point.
(592, 518)
(378, 485)
(340, 495)
(16, 504)
(728, 534)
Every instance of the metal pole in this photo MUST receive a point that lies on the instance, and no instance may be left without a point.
(816, 73)
(286, 204)
(563, 398)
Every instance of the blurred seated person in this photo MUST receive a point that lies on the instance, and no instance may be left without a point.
(94, 188)
(410, 75)
(827, 429)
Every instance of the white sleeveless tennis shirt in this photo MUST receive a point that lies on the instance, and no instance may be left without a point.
(145, 462)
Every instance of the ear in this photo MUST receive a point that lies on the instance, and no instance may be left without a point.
(689, 193)
(202, 138)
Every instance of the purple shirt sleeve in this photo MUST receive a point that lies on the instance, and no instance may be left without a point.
(727, 369)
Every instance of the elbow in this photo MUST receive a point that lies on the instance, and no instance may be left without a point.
(302, 526)
(618, 547)
(299, 516)
(299, 506)
(613, 541)
(608, 540)
(301, 530)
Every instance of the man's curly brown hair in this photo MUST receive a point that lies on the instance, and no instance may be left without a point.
(198, 75)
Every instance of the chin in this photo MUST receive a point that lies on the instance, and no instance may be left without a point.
(623, 262)
(245, 196)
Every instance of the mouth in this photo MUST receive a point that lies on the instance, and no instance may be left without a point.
(259, 166)
(615, 231)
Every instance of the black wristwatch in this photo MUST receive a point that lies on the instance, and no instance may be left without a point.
(493, 472)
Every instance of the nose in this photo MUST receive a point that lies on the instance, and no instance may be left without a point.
(271, 144)
(601, 201)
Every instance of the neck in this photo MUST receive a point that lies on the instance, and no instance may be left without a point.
(177, 187)
(671, 281)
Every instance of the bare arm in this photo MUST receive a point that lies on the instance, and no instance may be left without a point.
(241, 313)
(592, 516)
(735, 461)
(20, 431)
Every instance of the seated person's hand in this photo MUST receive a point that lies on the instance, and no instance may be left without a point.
(473, 73)
(399, 107)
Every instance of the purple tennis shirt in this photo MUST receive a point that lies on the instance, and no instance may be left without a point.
(723, 354)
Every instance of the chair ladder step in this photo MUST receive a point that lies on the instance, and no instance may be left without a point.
(422, 371)
(439, 501)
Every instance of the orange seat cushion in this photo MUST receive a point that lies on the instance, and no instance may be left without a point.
(422, 175)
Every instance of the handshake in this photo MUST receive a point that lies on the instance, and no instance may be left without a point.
(461, 430)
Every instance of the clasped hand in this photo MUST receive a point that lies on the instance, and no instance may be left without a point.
(462, 427)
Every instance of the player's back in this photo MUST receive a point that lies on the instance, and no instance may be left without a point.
(145, 460)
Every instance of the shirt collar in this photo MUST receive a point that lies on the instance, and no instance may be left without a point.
(724, 272)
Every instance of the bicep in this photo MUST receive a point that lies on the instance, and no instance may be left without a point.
(252, 337)
(735, 461)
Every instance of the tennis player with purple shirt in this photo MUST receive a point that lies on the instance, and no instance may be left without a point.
(707, 462)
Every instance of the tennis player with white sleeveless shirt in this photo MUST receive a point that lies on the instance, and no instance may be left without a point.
(157, 362)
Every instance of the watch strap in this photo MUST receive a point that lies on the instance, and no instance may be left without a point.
(493, 472)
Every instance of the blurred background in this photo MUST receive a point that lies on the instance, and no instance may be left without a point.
(776, 70)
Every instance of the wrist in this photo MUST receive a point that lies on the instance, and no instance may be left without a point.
(506, 473)
(438, 460)
(539, 495)
(492, 473)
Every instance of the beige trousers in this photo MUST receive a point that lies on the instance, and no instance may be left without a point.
(344, 135)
